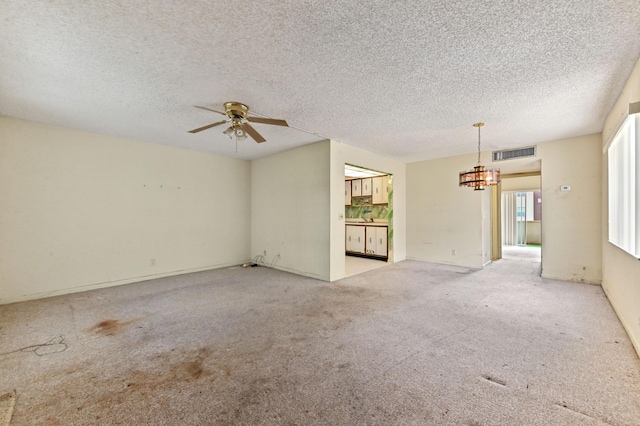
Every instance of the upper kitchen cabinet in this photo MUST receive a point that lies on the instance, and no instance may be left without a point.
(356, 187)
(347, 192)
(366, 186)
(380, 190)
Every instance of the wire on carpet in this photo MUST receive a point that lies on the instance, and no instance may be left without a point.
(53, 346)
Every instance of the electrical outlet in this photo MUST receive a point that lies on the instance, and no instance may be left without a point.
(454, 252)
(264, 253)
(152, 262)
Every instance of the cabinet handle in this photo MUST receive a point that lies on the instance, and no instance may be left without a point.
(380, 240)
(349, 237)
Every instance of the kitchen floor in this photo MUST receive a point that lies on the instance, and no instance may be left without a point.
(357, 265)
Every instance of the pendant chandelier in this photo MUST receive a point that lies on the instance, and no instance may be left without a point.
(479, 177)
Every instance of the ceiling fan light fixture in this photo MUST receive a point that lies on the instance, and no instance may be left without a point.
(230, 132)
(240, 133)
(240, 127)
(479, 177)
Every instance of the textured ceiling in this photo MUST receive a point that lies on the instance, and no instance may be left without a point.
(402, 79)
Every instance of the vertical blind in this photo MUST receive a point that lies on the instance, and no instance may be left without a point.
(624, 186)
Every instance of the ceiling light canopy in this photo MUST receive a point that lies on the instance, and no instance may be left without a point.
(479, 177)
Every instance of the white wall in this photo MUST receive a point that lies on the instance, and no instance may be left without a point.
(82, 210)
(571, 221)
(441, 216)
(290, 210)
(620, 270)
(341, 154)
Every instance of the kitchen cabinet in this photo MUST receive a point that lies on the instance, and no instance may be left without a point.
(356, 187)
(376, 243)
(366, 186)
(355, 238)
(347, 192)
(380, 190)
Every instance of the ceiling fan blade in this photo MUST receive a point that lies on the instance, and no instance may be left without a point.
(252, 132)
(268, 121)
(208, 126)
(209, 109)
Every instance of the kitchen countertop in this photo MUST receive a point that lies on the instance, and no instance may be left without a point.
(347, 222)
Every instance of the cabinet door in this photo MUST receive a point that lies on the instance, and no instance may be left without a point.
(372, 240)
(380, 194)
(359, 239)
(349, 238)
(347, 192)
(366, 186)
(356, 187)
(385, 189)
(382, 240)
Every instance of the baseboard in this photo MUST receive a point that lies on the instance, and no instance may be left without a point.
(634, 340)
(581, 281)
(297, 272)
(444, 262)
(95, 286)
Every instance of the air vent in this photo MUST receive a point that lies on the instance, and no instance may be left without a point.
(510, 154)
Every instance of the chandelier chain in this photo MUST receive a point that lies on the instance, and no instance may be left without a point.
(479, 145)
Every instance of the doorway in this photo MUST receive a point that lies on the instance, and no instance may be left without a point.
(522, 225)
(518, 218)
(368, 219)
(521, 218)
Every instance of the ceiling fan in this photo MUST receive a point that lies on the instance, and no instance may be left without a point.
(240, 127)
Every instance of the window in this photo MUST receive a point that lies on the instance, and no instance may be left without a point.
(624, 186)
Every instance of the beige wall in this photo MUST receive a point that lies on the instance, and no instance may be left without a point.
(441, 216)
(290, 210)
(526, 183)
(341, 154)
(486, 226)
(534, 232)
(81, 210)
(571, 221)
(620, 270)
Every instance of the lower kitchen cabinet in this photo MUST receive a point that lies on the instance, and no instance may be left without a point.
(367, 241)
(355, 238)
(376, 243)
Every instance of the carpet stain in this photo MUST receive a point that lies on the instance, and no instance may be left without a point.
(343, 289)
(110, 327)
(195, 368)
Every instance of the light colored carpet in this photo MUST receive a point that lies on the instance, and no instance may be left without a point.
(7, 401)
(408, 343)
